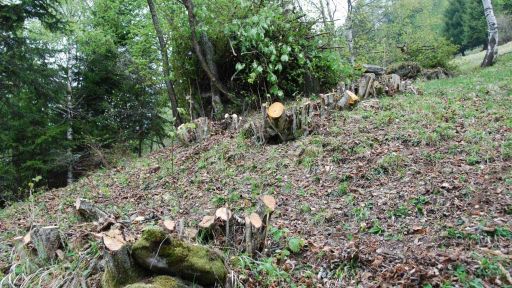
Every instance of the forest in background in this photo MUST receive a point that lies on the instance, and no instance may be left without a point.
(85, 82)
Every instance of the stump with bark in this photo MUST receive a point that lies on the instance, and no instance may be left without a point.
(366, 86)
(46, 240)
(88, 211)
(257, 225)
(195, 131)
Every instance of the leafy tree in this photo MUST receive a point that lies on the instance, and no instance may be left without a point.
(465, 24)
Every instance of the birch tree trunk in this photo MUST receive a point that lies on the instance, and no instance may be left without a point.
(492, 26)
(350, 36)
(165, 63)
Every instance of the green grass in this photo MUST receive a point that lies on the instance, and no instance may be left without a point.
(379, 154)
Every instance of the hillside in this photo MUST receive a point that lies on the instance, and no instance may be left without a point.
(406, 190)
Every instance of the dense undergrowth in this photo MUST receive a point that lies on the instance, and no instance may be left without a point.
(406, 190)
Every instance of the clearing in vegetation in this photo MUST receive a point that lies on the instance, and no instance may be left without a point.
(406, 191)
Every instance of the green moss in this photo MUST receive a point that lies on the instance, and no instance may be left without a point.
(195, 263)
(160, 282)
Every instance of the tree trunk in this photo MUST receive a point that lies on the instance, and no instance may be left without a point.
(324, 15)
(69, 116)
(197, 48)
(165, 63)
(209, 57)
(350, 35)
(492, 25)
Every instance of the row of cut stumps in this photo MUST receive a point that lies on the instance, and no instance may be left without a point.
(280, 123)
(164, 255)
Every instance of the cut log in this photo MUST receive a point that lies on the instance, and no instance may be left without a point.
(268, 203)
(88, 211)
(47, 241)
(377, 70)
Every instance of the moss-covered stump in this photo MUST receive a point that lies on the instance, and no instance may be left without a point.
(121, 269)
(157, 252)
(162, 281)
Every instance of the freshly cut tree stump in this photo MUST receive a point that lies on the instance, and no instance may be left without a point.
(120, 268)
(265, 207)
(158, 253)
(88, 211)
(276, 110)
(349, 99)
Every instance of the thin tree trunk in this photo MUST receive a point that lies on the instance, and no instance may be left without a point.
(350, 36)
(331, 17)
(492, 26)
(69, 116)
(209, 55)
(197, 48)
(324, 15)
(165, 63)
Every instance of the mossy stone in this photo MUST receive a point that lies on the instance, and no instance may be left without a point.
(194, 263)
(162, 281)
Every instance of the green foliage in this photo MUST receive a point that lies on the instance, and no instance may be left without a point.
(465, 24)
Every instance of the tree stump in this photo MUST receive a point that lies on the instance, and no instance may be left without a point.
(366, 87)
(88, 211)
(47, 241)
(160, 254)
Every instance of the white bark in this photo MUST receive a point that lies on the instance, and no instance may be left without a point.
(350, 36)
(492, 26)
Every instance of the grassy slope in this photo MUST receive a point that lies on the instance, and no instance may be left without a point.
(402, 190)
